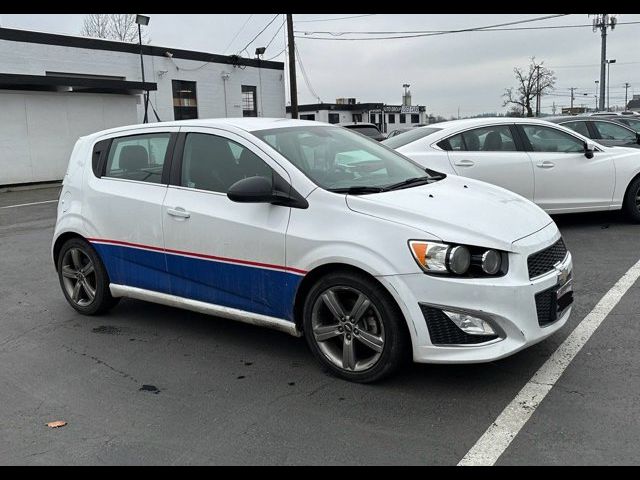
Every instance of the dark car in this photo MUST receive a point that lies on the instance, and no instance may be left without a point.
(602, 129)
(369, 129)
(631, 121)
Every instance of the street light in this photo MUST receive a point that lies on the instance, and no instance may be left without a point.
(609, 62)
(260, 51)
(143, 20)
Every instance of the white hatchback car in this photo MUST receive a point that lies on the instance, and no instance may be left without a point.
(310, 229)
(551, 165)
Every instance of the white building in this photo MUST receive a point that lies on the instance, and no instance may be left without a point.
(348, 110)
(56, 88)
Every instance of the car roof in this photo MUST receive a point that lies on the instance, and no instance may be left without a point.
(481, 121)
(248, 124)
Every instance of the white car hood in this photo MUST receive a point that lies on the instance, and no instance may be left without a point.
(459, 210)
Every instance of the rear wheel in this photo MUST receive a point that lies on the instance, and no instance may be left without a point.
(83, 278)
(354, 328)
(632, 201)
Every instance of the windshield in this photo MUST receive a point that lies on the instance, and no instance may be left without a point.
(366, 130)
(411, 136)
(337, 159)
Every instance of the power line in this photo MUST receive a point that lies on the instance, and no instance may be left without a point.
(426, 33)
(238, 33)
(259, 33)
(446, 32)
(305, 76)
(333, 19)
(275, 56)
(276, 34)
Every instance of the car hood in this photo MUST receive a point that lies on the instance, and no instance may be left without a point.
(458, 209)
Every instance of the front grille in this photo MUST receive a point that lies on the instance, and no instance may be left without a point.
(548, 306)
(444, 332)
(544, 261)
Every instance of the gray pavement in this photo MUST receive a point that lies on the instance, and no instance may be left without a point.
(148, 384)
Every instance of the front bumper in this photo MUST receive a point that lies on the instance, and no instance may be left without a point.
(507, 302)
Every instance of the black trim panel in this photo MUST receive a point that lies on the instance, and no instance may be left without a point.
(12, 81)
(28, 36)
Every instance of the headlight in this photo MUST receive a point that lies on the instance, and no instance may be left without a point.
(443, 258)
(491, 262)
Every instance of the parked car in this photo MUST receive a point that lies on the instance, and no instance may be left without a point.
(313, 230)
(557, 168)
(369, 129)
(398, 131)
(607, 131)
(630, 121)
(608, 114)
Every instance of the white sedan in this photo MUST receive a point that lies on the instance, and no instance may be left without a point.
(553, 166)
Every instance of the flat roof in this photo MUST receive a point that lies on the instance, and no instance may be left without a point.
(30, 36)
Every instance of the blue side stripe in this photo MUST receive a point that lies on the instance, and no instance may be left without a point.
(253, 289)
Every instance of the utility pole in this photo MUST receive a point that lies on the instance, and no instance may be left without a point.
(538, 91)
(572, 97)
(292, 67)
(602, 22)
(626, 89)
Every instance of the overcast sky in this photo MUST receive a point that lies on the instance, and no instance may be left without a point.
(468, 71)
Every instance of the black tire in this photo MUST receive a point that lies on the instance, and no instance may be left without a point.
(631, 203)
(388, 324)
(97, 280)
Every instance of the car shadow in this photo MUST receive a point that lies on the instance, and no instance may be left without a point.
(601, 220)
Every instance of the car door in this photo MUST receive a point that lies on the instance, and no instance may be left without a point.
(565, 179)
(492, 154)
(614, 134)
(218, 251)
(123, 202)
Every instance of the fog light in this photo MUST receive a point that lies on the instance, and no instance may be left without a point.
(469, 324)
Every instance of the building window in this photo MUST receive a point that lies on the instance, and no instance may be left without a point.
(403, 118)
(249, 103)
(185, 103)
(357, 117)
(415, 118)
(308, 116)
(372, 118)
(392, 118)
(334, 118)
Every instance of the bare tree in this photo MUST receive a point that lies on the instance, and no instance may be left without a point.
(96, 25)
(114, 26)
(537, 79)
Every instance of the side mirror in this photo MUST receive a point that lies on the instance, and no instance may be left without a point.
(264, 190)
(588, 150)
(251, 190)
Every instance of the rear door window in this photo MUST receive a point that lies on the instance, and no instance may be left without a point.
(580, 127)
(138, 157)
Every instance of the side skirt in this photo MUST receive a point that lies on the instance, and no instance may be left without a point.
(207, 308)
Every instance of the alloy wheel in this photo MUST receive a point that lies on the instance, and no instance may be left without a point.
(348, 328)
(79, 277)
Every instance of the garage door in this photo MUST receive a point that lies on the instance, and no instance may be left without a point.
(38, 129)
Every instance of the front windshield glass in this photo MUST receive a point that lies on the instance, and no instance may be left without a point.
(336, 158)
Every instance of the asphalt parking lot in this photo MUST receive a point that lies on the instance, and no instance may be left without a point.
(148, 384)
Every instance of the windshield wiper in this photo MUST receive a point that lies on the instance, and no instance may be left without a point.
(358, 190)
(410, 182)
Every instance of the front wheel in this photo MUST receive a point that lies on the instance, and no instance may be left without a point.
(354, 328)
(632, 201)
(83, 278)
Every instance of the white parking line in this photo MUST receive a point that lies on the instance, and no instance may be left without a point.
(28, 204)
(503, 430)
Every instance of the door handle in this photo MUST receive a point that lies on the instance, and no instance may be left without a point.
(178, 212)
(464, 163)
(546, 164)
